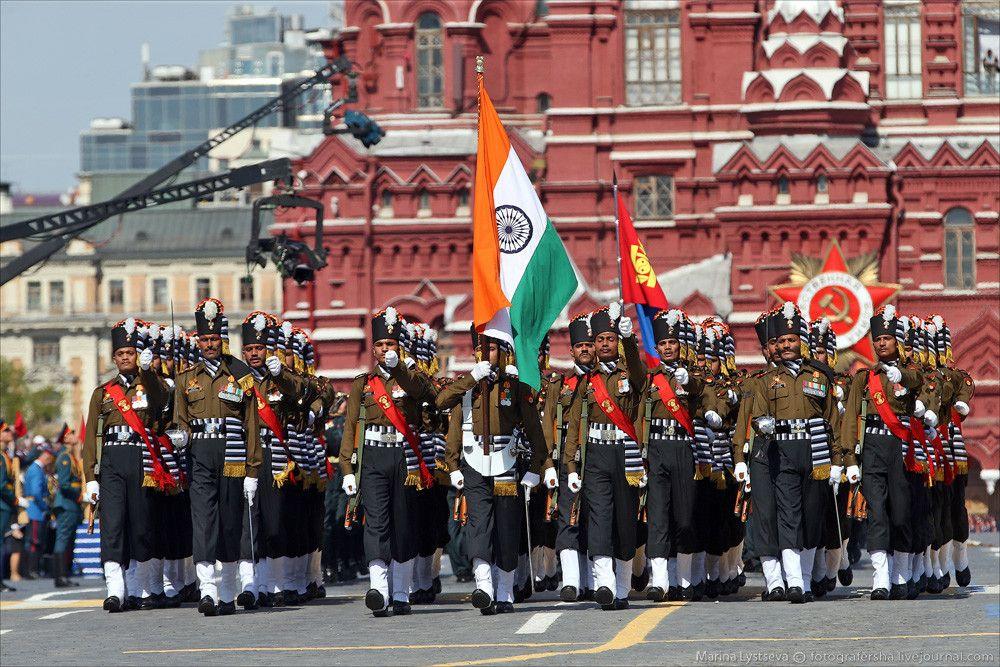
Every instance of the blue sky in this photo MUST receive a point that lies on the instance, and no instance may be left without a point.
(64, 63)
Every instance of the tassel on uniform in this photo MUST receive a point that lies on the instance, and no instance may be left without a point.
(148, 482)
(719, 477)
(413, 479)
(504, 488)
(821, 471)
(285, 475)
(234, 469)
(634, 477)
(961, 467)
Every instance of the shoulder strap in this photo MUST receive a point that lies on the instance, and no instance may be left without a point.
(669, 399)
(610, 408)
(162, 478)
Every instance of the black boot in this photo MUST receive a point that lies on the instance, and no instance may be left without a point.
(58, 562)
(68, 570)
(963, 577)
(33, 560)
(846, 576)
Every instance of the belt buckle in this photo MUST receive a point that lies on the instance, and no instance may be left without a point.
(211, 428)
(798, 428)
(122, 436)
(670, 430)
(388, 438)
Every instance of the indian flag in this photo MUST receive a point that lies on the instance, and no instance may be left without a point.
(521, 275)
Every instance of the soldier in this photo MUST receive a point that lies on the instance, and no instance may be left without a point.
(379, 456)
(571, 535)
(215, 408)
(67, 509)
(541, 515)
(9, 500)
(489, 406)
(794, 403)
(118, 440)
(876, 429)
(672, 396)
(611, 469)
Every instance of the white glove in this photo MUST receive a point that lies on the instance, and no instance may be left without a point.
(713, 419)
(458, 480)
(931, 419)
(734, 398)
(840, 407)
(765, 425)
(682, 376)
(551, 479)
(962, 408)
(838, 391)
(530, 480)
(391, 359)
(93, 492)
(574, 483)
(273, 366)
(919, 409)
(853, 474)
(511, 370)
(643, 481)
(349, 485)
(410, 363)
(893, 374)
(250, 488)
(481, 370)
(835, 473)
(625, 326)
(740, 471)
(145, 359)
(178, 438)
(23, 502)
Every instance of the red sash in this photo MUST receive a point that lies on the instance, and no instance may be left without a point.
(669, 398)
(885, 412)
(167, 445)
(610, 408)
(268, 416)
(956, 419)
(163, 479)
(571, 382)
(391, 411)
(919, 437)
(941, 437)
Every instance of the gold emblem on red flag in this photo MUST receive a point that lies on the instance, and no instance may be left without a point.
(644, 274)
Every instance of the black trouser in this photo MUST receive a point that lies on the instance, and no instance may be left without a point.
(460, 563)
(570, 535)
(887, 492)
(218, 507)
(335, 511)
(670, 498)
(959, 513)
(388, 525)
(127, 530)
(270, 500)
(762, 528)
(543, 532)
(172, 514)
(797, 496)
(940, 503)
(496, 523)
(921, 534)
(612, 503)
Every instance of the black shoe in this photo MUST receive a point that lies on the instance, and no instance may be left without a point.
(692, 593)
(621, 604)
(587, 595)
(922, 583)
(131, 602)
(553, 583)
(963, 577)
(639, 583)
(320, 592)
(655, 594)
(489, 610)
(934, 585)
(846, 576)
(419, 596)
(808, 596)
(247, 600)
(278, 599)
(291, 598)
(207, 606)
(401, 608)
(742, 579)
(61, 583)
(568, 594)
(171, 601)
(6, 588)
(227, 608)
(674, 593)
(374, 600)
(520, 594)
(191, 593)
(776, 595)
(112, 604)
(481, 599)
(604, 596)
(436, 586)
(795, 595)
(712, 589)
(879, 594)
(146, 604)
(383, 613)
(831, 584)
(265, 600)
(897, 592)
(699, 592)
(912, 590)
(946, 581)
(505, 607)
(311, 591)
(818, 588)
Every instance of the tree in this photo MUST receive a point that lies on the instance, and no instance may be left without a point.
(41, 405)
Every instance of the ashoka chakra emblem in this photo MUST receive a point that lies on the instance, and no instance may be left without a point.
(513, 229)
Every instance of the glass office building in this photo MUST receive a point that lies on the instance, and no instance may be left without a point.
(175, 109)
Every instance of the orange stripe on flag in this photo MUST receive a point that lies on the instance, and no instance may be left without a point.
(491, 155)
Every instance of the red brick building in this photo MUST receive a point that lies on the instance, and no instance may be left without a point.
(742, 131)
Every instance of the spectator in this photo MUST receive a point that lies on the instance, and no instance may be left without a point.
(36, 490)
(67, 510)
(9, 502)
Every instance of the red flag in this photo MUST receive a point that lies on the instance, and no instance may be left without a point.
(639, 283)
(63, 432)
(83, 428)
(20, 428)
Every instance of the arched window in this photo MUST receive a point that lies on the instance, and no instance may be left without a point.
(385, 204)
(423, 204)
(430, 62)
(821, 184)
(543, 102)
(959, 249)
(782, 185)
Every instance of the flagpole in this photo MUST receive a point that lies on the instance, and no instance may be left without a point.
(484, 340)
(618, 247)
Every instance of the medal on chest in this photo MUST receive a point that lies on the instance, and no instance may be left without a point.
(274, 396)
(232, 391)
(397, 392)
(139, 400)
(192, 386)
(623, 385)
(898, 390)
(505, 394)
(814, 386)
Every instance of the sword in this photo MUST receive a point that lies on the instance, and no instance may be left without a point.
(527, 532)
(253, 555)
(836, 513)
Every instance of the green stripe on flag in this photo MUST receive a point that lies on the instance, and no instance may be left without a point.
(546, 287)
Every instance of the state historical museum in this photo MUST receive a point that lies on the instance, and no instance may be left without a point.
(750, 139)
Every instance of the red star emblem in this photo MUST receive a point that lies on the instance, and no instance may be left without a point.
(841, 291)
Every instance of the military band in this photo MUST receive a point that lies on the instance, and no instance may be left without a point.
(208, 471)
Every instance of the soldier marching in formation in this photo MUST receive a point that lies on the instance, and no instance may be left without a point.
(208, 471)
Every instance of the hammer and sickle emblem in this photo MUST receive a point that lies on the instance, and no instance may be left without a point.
(644, 274)
(837, 313)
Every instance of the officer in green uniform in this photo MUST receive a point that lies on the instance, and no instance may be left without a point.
(67, 509)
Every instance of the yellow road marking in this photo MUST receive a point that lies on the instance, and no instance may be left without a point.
(819, 639)
(16, 605)
(409, 647)
(634, 633)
